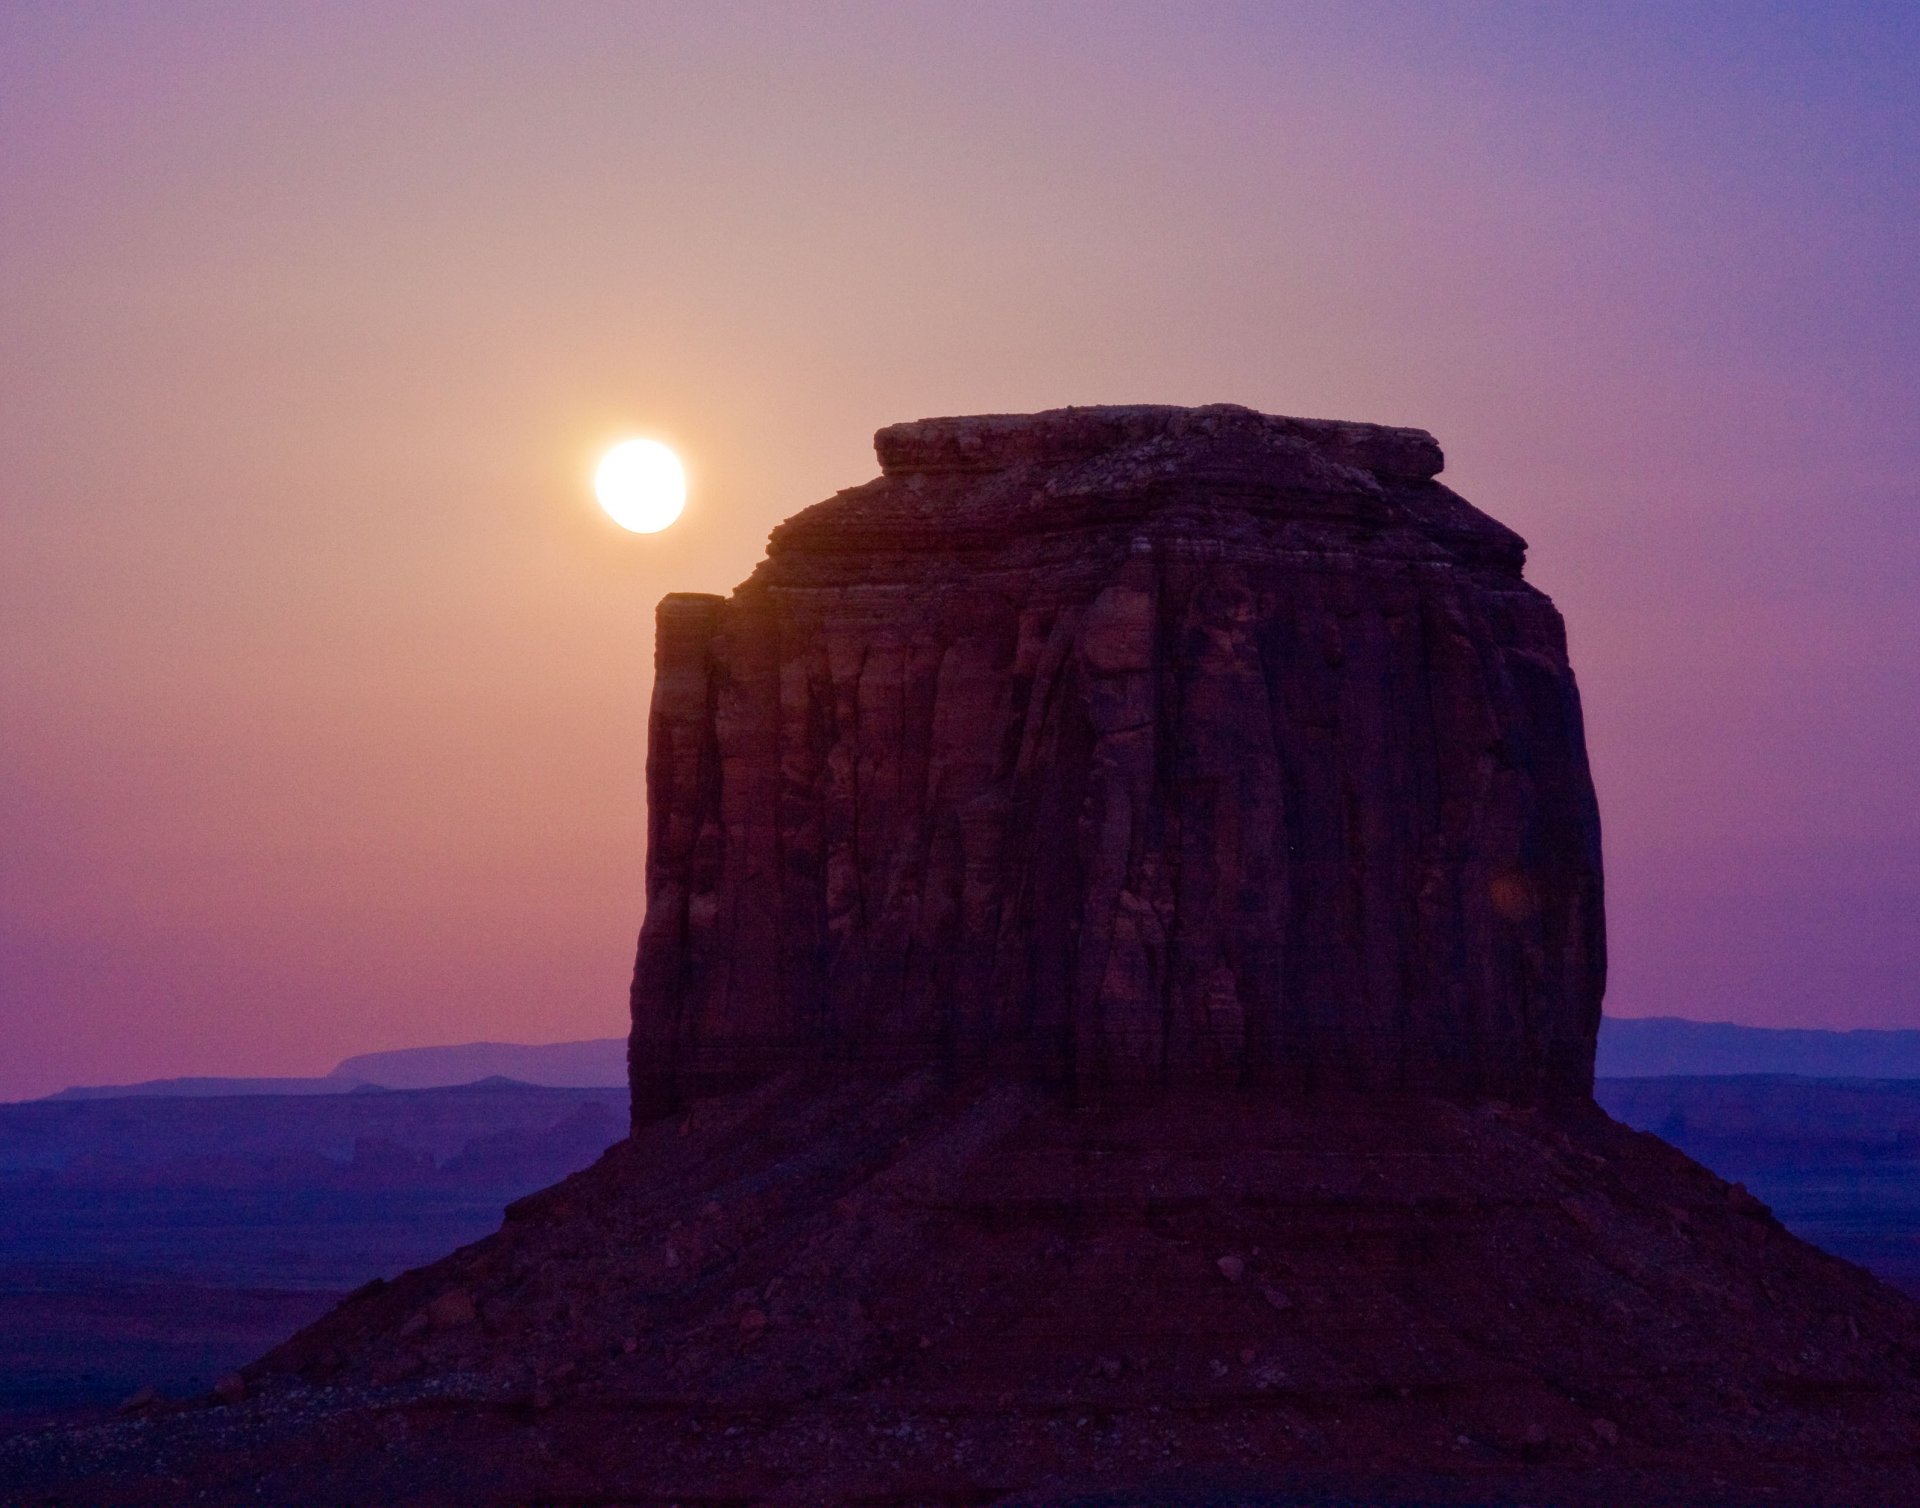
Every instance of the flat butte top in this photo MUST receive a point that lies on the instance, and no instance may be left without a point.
(1081, 477)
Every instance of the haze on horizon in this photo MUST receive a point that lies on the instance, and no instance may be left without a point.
(323, 700)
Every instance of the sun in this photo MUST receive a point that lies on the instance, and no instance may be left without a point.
(641, 485)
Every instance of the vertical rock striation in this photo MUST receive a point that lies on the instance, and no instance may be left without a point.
(1126, 748)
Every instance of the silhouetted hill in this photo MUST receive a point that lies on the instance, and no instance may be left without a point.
(1658, 1046)
(307, 1141)
(599, 1063)
(207, 1088)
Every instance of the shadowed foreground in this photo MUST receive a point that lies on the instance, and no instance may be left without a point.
(161, 1241)
(832, 1291)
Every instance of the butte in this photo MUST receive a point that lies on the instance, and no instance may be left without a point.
(1114, 1022)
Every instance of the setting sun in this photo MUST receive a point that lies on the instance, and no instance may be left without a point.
(641, 485)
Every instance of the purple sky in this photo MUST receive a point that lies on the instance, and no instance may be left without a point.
(322, 704)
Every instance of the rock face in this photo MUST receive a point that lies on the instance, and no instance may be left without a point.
(1117, 747)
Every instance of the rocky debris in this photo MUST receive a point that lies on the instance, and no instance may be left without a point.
(1063, 1263)
(1121, 748)
(451, 1309)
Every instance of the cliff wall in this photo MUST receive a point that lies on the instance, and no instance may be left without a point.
(1126, 747)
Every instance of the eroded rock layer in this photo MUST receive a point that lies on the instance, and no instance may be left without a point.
(1126, 746)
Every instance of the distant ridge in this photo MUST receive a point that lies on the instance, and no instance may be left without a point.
(1657, 1046)
(598, 1063)
(208, 1088)
(1631, 1047)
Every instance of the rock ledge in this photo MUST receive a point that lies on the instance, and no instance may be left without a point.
(989, 442)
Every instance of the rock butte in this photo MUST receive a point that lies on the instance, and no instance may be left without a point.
(1120, 747)
(1122, 958)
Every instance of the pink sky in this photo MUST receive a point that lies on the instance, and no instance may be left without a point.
(322, 706)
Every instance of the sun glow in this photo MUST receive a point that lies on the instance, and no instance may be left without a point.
(641, 485)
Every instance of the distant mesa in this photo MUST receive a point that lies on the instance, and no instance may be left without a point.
(597, 1063)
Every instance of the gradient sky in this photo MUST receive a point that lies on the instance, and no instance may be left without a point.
(322, 702)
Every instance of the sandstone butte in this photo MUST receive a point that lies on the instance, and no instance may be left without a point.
(1114, 1024)
(1126, 747)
